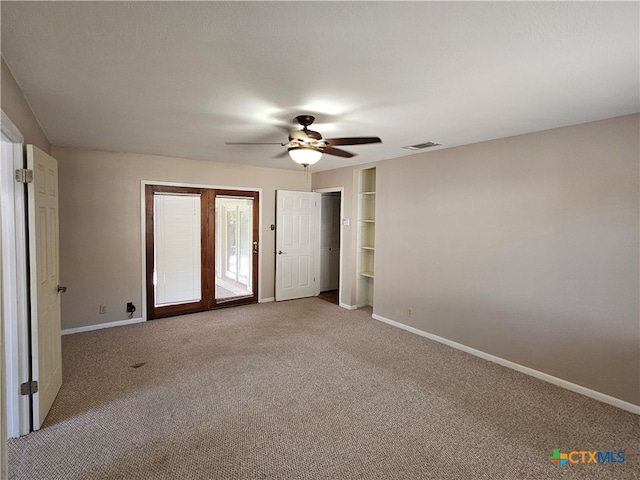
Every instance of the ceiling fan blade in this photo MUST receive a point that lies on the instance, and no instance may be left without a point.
(352, 140)
(254, 143)
(281, 154)
(338, 152)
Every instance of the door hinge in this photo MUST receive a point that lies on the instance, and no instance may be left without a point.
(24, 175)
(29, 388)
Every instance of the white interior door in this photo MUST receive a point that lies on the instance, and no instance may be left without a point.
(297, 216)
(46, 347)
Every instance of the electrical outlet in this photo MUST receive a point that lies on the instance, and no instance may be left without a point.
(409, 312)
(103, 309)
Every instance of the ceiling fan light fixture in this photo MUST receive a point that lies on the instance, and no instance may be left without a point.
(305, 155)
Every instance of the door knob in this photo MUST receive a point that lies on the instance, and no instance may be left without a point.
(61, 289)
(280, 252)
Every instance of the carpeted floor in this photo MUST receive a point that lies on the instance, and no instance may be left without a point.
(306, 390)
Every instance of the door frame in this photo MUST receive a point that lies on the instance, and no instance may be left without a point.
(143, 185)
(339, 190)
(15, 288)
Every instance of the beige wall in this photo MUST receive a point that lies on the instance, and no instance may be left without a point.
(525, 248)
(19, 111)
(100, 229)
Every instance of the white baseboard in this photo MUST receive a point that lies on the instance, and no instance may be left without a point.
(88, 328)
(267, 300)
(348, 307)
(616, 402)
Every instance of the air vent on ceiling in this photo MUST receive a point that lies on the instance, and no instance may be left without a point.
(420, 146)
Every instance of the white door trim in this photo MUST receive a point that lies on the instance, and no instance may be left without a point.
(143, 245)
(3, 403)
(341, 282)
(16, 340)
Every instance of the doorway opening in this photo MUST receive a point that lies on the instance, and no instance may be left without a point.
(331, 245)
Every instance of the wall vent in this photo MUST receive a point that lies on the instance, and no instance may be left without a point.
(420, 146)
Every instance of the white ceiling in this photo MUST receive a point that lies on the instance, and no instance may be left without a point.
(182, 78)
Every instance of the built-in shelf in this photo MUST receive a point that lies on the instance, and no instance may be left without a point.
(366, 235)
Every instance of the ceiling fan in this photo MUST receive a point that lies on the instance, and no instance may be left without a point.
(305, 147)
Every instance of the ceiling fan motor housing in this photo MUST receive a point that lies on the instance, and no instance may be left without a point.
(305, 120)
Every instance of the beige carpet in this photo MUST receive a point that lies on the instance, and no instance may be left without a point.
(306, 390)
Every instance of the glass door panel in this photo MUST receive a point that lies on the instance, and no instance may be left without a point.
(176, 257)
(233, 245)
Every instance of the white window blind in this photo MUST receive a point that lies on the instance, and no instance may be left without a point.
(177, 276)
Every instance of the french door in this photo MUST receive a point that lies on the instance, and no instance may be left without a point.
(201, 249)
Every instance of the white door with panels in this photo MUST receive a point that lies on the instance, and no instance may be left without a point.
(46, 345)
(297, 228)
